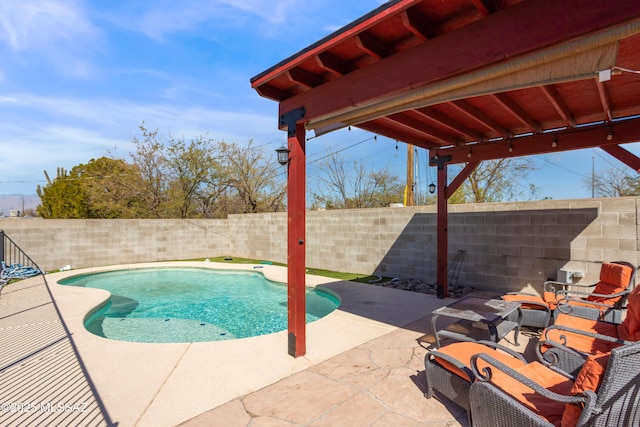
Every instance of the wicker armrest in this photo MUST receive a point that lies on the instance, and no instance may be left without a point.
(553, 286)
(581, 332)
(485, 375)
(464, 368)
(434, 353)
(564, 304)
(555, 352)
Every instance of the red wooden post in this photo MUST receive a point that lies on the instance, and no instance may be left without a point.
(296, 256)
(442, 234)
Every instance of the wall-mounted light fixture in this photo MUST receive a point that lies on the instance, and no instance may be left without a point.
(432, 188)
(283, 155)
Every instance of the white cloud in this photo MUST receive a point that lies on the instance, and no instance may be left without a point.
(43, 133)
(58, 30)
(37, 24)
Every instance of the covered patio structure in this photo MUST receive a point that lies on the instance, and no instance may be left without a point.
(468, 80)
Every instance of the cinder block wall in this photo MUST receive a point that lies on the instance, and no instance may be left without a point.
(89, 243)
(492, 246)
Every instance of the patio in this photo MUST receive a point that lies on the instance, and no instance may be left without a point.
(364, 365)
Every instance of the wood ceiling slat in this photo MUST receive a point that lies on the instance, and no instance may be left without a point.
(561, 108)
(517, 111)
(480, 117)
(604, 99)
(407, 120)
(451, 124)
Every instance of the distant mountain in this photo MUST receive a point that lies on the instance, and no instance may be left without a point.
(9, 202)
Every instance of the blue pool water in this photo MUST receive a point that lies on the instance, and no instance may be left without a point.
(192, 304)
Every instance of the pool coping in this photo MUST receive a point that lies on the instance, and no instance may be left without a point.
(159, 384)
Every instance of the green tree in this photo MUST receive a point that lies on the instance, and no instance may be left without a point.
(102, 188)
(191, 169)
(113, 188)
(62, 197)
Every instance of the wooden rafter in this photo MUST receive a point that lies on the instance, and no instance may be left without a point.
(372, 47)
(604, 99)
(419, 25)
(486, 7)
(517, 111)
(449, 123)
(332, 64)
(480, 117)
(416, 124)
(304, 78)
(558, 103)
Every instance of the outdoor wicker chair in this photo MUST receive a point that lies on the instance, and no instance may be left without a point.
(580, 337)
(606, 302)
(448, 370)
(606, 392)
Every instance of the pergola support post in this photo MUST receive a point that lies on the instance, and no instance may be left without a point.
(296, 219)
(441, 232)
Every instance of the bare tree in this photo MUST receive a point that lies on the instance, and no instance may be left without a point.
(150, 160)
(497, 180)
(340, 184)
(255, 183)
(613, 182)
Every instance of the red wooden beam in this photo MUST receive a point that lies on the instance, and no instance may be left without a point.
(459, 179)
(496, 38)
(358, 26)
(623, 132)
(442, 234)
(296, 241)
(623, 155)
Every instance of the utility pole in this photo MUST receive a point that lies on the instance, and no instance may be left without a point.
(410, 198)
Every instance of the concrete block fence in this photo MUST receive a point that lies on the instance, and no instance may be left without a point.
(492, 246)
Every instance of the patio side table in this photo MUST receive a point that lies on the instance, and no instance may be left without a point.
(477, 317)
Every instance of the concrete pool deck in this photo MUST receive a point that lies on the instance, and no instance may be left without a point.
(363, 364)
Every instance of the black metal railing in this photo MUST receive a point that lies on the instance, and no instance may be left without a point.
(16, 264)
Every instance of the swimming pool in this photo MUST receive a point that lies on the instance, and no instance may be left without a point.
(189, 304)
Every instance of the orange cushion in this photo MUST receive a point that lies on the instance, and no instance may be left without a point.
(614, 278)
(523, 298)
(549, 379)
(580, 342)
(615, 274)
(589, 378)
(630, 328)
(550, 298)
(462, 352)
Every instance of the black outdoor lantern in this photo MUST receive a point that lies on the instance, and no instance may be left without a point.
(283, 155)
(432, 188)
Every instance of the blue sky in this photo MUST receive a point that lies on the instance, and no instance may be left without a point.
(77, 78)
